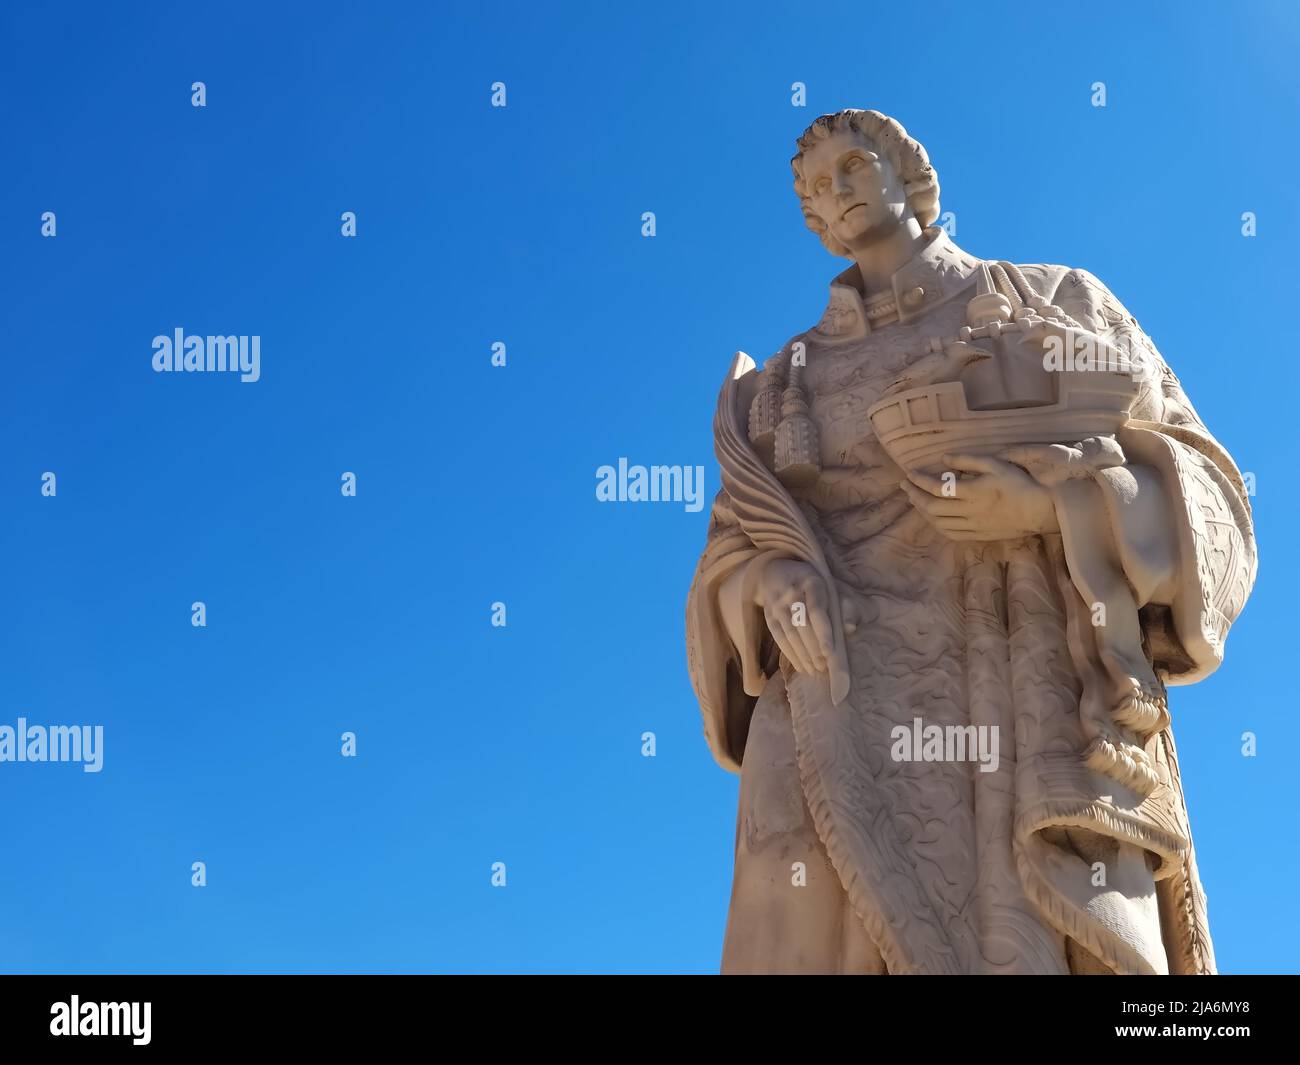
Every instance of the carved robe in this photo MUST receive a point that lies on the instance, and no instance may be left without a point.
(1075, 855)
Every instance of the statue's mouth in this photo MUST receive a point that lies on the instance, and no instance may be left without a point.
(853, 208)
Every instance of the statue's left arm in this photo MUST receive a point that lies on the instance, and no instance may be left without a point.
(1169, 500)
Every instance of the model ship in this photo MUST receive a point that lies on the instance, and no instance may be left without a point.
(1081, 388)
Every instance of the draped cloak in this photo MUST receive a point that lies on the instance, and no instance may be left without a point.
(950, 869)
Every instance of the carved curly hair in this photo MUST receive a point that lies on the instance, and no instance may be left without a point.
(904, 153)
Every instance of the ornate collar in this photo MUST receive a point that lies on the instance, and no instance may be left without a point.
(934, 275)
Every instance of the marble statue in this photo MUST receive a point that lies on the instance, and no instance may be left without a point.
(970, 531)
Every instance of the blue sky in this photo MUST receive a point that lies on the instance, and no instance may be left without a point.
(476, 484)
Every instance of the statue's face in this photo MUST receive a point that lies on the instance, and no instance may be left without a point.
(854, 189)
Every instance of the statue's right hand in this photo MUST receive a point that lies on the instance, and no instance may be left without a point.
(795, 602)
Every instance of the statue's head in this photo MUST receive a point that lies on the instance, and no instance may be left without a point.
(859, 177)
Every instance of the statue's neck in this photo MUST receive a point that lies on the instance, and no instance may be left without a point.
(884, 257)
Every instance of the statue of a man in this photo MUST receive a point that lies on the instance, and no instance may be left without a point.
(970, 528)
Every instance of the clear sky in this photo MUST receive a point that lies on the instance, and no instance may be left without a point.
(522, 225)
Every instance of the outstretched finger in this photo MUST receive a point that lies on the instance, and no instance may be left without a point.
(823, 638)
(801, 623)
(788, 639)
(976, 463)
(808, 640)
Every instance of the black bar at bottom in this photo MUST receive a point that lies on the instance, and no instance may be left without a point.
(612, 1015)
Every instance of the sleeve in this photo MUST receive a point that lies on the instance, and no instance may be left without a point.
(1176, 504)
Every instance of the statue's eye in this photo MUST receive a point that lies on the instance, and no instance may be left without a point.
(822, 185)
(853, 163)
